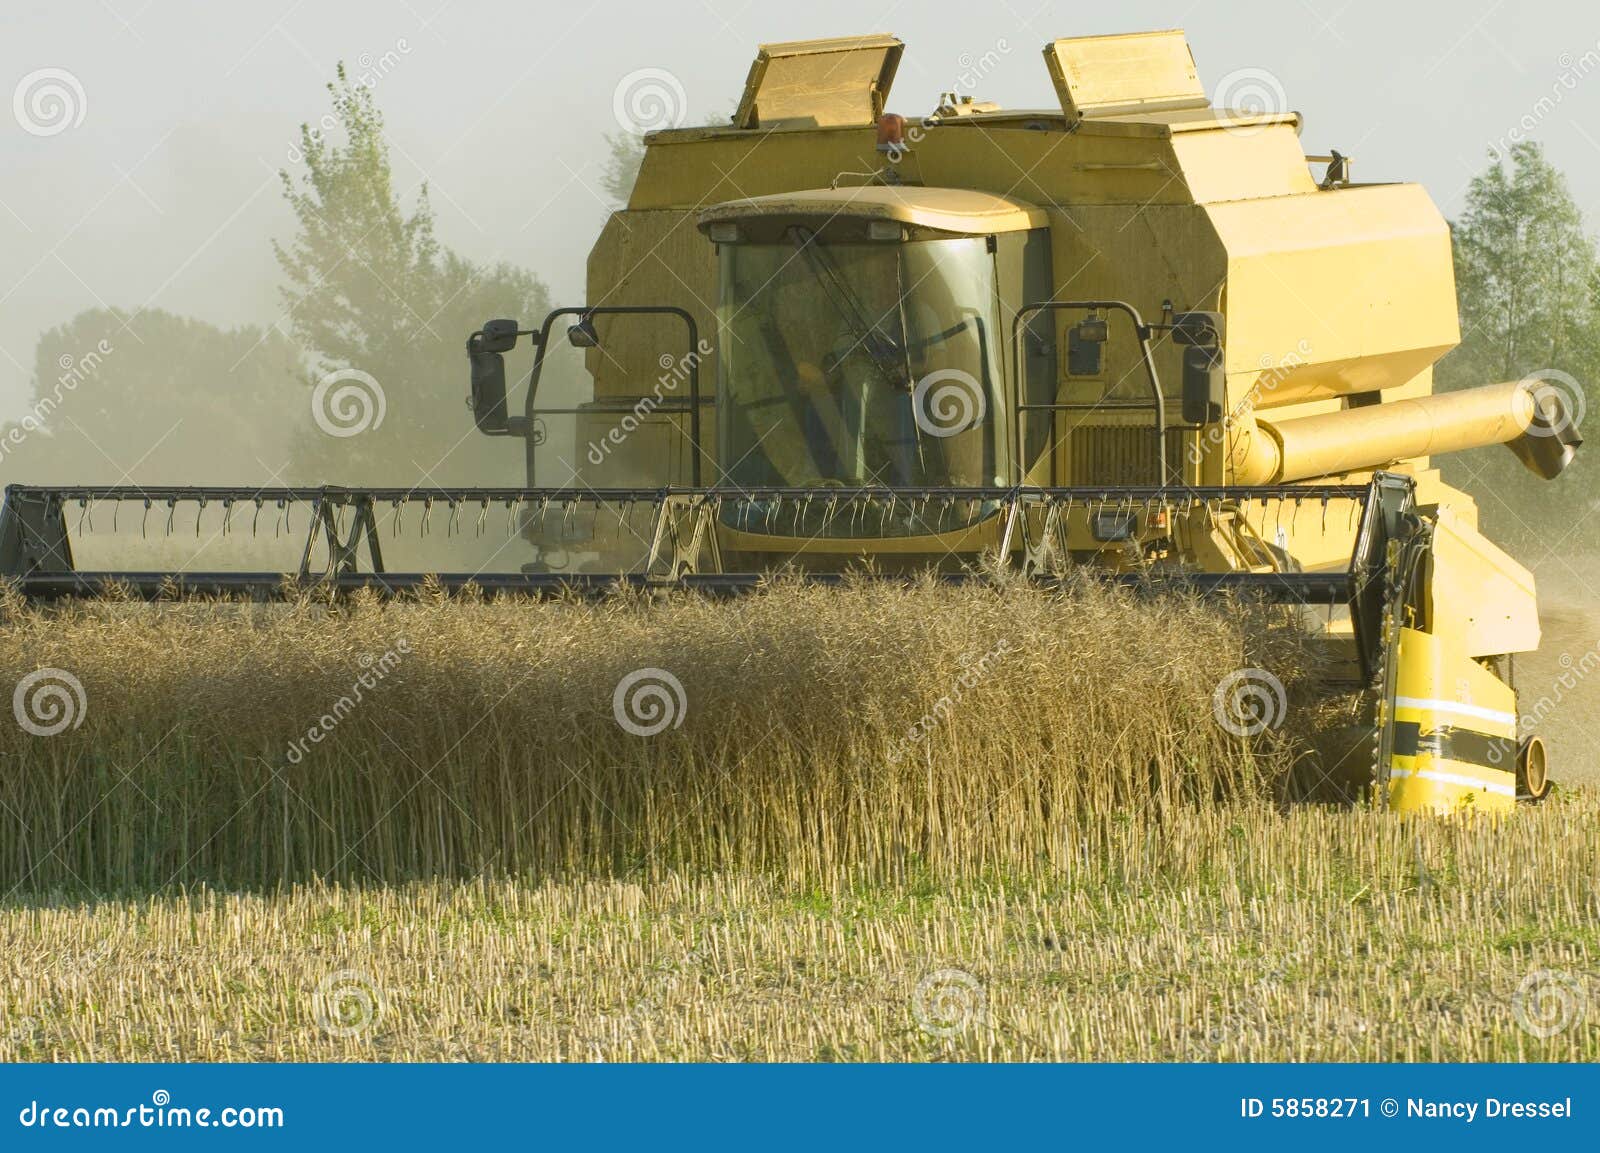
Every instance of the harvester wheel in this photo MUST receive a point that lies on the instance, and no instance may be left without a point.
(1533, 770)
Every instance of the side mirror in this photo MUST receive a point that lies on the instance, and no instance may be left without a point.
(582, 334)
(485, 350)
(499, 336)
(1205, 385)
(1203, 329)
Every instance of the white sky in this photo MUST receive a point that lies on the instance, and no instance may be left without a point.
(165, 194)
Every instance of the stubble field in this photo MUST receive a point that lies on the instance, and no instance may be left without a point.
(880, 823)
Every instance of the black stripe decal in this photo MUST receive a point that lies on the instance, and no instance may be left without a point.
(1465, 745)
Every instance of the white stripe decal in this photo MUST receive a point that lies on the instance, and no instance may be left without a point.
(1433, 706)
(1455, 779)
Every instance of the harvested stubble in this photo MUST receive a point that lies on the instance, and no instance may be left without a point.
(1227, 933)
(880, 730)
(893, 823)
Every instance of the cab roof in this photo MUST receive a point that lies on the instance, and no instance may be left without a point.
(959, 211)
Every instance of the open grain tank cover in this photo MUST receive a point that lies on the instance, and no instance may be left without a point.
(835, 83)
(1117, 75)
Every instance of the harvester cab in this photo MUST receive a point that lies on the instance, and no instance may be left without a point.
(1129, 333)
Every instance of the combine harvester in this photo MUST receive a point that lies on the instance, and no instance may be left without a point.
(1131, 333)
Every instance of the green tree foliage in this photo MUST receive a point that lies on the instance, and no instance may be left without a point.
(624, 155)
(154, 398)
(1528, 283)
(371, 289)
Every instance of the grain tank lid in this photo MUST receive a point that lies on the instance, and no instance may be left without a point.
(1153, 125)
(1133, 73)
(959, 211)
(842, 82)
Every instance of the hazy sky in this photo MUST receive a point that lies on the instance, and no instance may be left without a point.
(157, 187)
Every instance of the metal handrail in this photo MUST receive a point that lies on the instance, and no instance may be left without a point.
(1141, 330)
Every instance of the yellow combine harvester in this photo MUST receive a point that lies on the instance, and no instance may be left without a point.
(1130, 333)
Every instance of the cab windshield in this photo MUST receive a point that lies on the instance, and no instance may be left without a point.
(858, 364)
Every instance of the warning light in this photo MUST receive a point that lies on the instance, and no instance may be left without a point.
(891, 133)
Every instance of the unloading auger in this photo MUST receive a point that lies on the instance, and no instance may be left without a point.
(1129, 335)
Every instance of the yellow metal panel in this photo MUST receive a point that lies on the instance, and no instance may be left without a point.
(1481, 592)
(957, 545)
(692, 170)
(1444, 706)
(1359, 280)
(819, 83)
(649, 258)
(954, 210)
(1049, 167)
(1243, 163)
(1138, 70)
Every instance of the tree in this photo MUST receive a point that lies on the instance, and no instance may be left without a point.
(153, 398)
(386, 309)
(625, 155)
(1528, 287)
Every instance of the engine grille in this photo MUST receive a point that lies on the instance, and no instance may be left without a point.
(1120, 454)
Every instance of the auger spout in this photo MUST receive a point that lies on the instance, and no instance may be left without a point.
(1531, 421)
